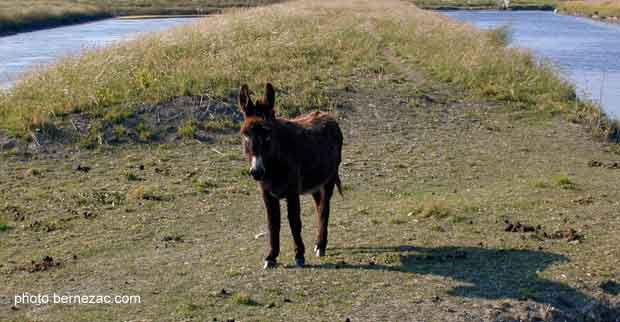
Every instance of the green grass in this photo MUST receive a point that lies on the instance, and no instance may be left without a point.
(117, 115)
(564, 181)
(131, 175)
(189, 129)
(218, 123)
(203, 185)
(34, 172)
(243, 298)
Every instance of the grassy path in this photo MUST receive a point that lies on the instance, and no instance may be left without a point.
(430, 180)
(472, 193)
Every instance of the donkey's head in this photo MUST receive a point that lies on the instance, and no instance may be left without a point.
(258, 129)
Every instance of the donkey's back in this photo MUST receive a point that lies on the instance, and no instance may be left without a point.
(317, 146)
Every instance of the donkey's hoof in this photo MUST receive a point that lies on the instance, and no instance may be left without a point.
(300, 262)
(270, 263)
(319, 252)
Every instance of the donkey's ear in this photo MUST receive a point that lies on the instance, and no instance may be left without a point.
(245, 101)
(270, 96)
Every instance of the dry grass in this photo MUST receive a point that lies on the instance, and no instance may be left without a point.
(599, 8)
(434, 208)
(301, 45)
(32, 14)
(212, 57)
(126, 7)
(18, 15)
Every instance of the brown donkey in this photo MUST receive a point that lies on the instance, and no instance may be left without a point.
(289, 158)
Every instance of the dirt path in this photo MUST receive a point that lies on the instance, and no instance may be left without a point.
(420, 236)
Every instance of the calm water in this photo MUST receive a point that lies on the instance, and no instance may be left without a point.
(588, 52)
(22, 51)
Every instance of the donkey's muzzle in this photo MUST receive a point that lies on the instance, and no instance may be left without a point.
(257, 169)
(257, 173)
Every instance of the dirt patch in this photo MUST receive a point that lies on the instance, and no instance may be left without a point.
(582, 201)
(568, 234)
(520, 228)
(7, 143)
(602, 164)
(86, 214)
(171, 240)
(82, 168)
(44, 264)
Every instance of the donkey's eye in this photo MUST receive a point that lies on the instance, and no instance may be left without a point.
(268, 138)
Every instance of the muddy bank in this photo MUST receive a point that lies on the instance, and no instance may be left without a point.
(608, 19)
(511, 8)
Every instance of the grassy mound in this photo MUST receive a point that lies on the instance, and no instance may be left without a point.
(308, 48)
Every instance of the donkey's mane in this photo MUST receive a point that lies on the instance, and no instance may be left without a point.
(312, 119)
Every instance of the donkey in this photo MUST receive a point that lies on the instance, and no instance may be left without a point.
(289, 158)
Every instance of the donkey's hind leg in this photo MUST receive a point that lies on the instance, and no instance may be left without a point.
(322, 200)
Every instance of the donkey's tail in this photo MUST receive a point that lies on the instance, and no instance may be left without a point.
(339, 185)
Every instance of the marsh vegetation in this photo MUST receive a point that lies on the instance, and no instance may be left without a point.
(18, 15)
(485, 4)
(600, 9)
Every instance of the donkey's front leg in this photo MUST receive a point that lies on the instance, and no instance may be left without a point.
(273, 222)
(294, 220)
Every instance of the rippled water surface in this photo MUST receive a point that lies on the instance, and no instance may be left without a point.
(587, 51)
(22, 51)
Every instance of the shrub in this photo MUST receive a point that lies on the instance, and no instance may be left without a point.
(564, 182)
(189, 129)
(243, 298)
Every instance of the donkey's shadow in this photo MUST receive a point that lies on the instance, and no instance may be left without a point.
(489, 273)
